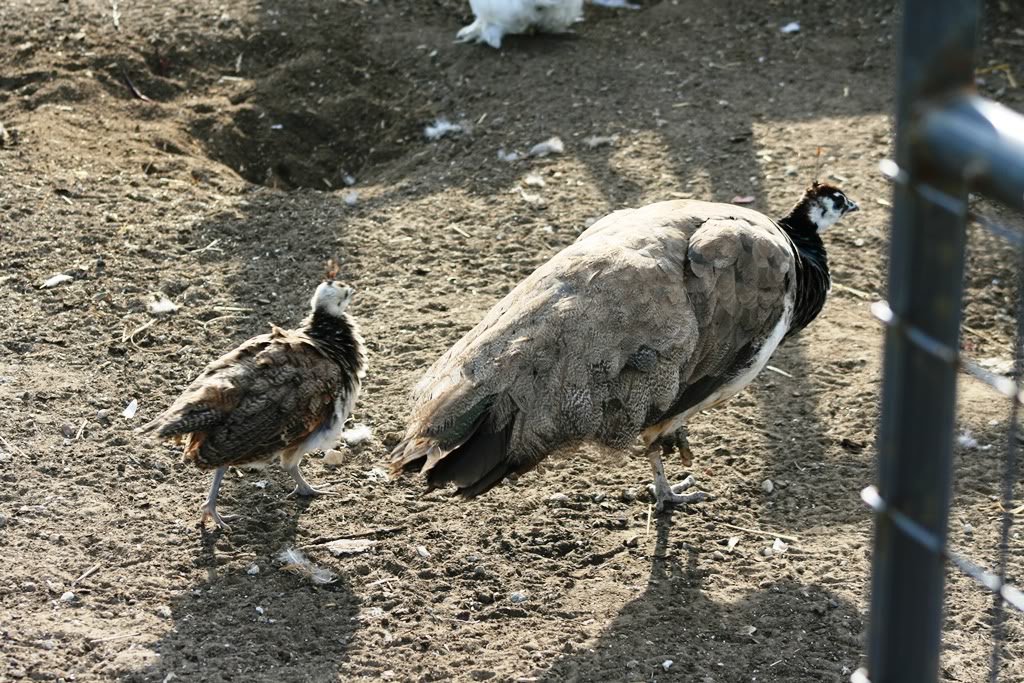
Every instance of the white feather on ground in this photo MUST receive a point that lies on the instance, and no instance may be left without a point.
(494, 19)
(295, 561)
(357, 436)
(550, 146)
(441, 128)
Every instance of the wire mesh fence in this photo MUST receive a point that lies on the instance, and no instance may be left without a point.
(948, 142)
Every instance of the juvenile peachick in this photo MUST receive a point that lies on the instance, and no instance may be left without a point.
(281, 394)
(652, 315)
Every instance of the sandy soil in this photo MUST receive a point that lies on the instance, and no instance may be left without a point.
(225, 191)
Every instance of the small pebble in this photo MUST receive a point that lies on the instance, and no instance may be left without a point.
(68, 596)
(68, 430)
(260, 611)
(767, 486)
(667, 664)
(103, 416)
(632, 541)
(718, 556)
(517, 597)
(253, 569)
(628, 495)
(791, 170)
(28, 587)
(558, 498)
(968, 530)
(163, 611)
(422, 551)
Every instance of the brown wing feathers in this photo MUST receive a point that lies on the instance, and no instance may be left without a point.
(267, 395)
(649, 310)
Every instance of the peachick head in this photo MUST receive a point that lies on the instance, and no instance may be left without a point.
(332, 297)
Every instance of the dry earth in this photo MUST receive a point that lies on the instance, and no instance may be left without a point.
(225, 191)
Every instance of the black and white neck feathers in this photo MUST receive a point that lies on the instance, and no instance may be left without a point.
(812, 277)
(338, 338)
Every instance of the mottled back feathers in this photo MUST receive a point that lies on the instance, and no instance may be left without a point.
(601, 341)
(269, 394)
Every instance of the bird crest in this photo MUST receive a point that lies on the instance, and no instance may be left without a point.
(332, 269)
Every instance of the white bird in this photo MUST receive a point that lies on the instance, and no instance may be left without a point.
(495, 19)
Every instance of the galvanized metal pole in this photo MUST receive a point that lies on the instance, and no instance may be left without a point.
(918, 399)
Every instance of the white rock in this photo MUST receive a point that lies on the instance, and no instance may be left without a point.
(667, 664)
(253, 569)
(164, 612)
(558, 498)
(791, 27)
(767, 486)
(517, 597)
(351, 198)
(260, 611)
(422, 551)
(68, 596)
(779, 546)
(508, 157)
(334, 457)
(968, 530)
(534, 180)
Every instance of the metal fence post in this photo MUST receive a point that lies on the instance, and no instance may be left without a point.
(918, 400)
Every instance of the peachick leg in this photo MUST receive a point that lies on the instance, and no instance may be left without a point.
(209, 509)
(303, 487)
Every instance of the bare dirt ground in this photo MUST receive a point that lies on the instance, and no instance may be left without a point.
(225, 191)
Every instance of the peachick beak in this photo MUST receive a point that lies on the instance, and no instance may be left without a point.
(853, 207)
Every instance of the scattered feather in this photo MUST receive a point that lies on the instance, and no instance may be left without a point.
(132, 408)
(376, 474)
(294, 561)
(161, 305)
(550, 146)
(779, 546)
(57, 280)
(357, 436)
(966, 440)
(791, 27)
(595, 141)
(352, 198)
(508, 157)
(440, 128)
